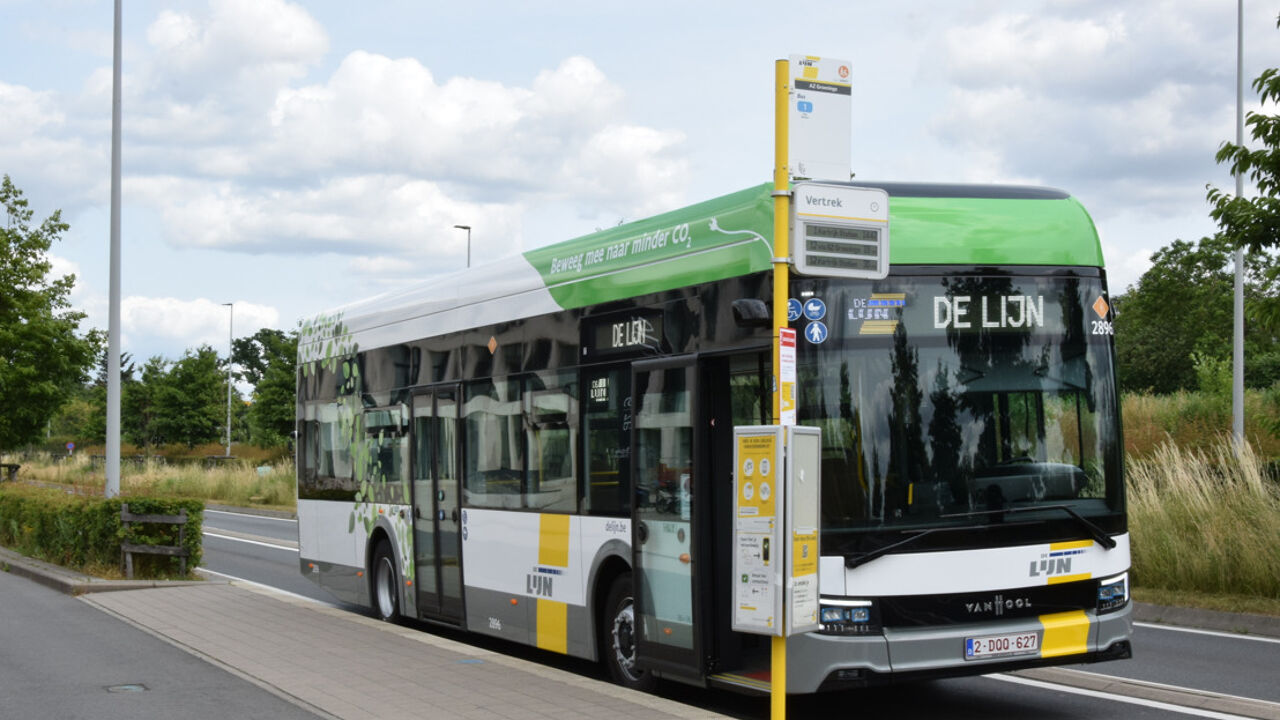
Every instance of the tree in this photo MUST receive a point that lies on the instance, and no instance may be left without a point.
(1254, 223)
(1182, 307)
(271, 416)
(188, 402)
(43, 358)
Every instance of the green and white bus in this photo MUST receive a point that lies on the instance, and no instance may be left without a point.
(540, 449)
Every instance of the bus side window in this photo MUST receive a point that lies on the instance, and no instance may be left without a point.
(607, 441)
(551, 423)
(494, 442)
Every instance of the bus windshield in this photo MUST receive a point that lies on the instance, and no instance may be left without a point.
(960, 399)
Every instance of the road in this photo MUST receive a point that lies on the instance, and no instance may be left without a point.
(263, 550)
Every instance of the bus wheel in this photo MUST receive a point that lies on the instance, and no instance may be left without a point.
(618, 637)
(385, 584)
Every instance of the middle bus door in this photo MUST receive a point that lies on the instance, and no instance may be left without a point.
(665, 553)
(437, 546)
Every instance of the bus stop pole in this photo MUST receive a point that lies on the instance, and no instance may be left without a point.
(781, 230)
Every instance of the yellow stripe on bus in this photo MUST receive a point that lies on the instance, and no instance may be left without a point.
(1059, 579)
(1065, 633)
(553, 540)
(553, 625)
(1072, 545)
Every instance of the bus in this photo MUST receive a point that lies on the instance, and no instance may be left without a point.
(540, 449)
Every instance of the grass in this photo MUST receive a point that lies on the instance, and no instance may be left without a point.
(1205, 521)
(238, 482)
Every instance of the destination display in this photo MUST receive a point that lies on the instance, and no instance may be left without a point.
(619, 334)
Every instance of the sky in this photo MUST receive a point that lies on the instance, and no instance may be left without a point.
(290, 157)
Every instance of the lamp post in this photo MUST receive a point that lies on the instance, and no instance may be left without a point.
(231, 320)
(468, 229)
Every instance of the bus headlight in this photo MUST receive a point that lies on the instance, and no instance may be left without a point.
(1113, 593)
(841, 616)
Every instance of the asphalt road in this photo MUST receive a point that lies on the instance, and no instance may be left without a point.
(1215, 662)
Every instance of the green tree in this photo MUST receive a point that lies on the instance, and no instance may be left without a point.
(271, 416)
(43, 358)
(1180, 310)
(138, 404)
(1254, 223)
(189, 403)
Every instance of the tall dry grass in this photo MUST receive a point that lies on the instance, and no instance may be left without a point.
(236, 482)
(1206, 520)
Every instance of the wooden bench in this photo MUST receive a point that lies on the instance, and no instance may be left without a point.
(128, 549)
(10, 471)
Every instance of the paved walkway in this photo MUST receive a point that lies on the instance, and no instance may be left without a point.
(342, 665)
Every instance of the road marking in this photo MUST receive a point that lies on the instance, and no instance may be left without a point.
(1155, 704)
(250, 515)
(270, 588)
(279, 545)
(1198, 631)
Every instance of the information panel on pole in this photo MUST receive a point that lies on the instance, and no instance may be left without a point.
(758, 550)
(840, 231)
(820, 118)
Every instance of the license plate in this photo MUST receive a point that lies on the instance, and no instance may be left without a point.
(1027, 643)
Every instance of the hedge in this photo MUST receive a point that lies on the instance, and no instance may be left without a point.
(79, 532)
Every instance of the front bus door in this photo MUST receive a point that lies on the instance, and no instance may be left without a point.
(436, 499)
(665, 554)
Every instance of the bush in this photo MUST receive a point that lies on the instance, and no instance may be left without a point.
(81, 532)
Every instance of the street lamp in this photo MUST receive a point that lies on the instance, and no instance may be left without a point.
(468, 229)
(231, 321)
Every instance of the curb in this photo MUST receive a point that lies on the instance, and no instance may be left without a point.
(71, 582)
(1230, 622)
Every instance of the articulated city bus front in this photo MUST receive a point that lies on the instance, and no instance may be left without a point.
(973, 514)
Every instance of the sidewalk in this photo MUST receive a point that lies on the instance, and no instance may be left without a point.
(338, 664)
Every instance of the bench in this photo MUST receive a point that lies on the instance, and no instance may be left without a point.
(127, 550)
(10, 471)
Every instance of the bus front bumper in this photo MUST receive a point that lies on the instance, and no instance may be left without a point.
(817, 662)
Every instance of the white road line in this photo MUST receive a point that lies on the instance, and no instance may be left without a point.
(1118, 698)
(206, 533)
(250, 515)
(272, 588)
(1215, 633)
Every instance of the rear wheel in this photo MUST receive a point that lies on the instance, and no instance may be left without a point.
(618, 637)
(384, 582)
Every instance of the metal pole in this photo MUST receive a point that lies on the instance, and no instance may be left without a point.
(231, 321)
(468, 229)
(112, 488)
(781, 250)
(1237, 355)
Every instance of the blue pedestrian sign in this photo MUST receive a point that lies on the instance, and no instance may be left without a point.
(816, 332)
(793, 310)
(815, 309)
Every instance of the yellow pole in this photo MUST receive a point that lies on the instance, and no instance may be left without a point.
(781, 230)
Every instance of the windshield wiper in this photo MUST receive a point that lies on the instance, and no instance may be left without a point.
(1095, 532)
(852, 562)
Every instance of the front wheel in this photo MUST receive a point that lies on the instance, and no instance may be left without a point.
(384, 583)
(618, 637)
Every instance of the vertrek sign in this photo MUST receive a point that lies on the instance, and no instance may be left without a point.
(840, 231)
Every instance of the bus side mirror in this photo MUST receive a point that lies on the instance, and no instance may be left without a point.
(751, 312)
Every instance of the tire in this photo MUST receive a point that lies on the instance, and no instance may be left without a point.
(618, 637)
(384, 584)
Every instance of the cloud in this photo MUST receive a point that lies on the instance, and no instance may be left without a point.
(146, 320)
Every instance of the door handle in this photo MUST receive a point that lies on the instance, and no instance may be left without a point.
(454, 515)
(642, 531)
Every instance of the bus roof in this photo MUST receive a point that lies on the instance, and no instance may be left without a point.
(983, 225)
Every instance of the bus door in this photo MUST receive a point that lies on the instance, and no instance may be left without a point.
(665, 554)
(437, 545)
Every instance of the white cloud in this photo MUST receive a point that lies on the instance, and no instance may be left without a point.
(191, 323)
